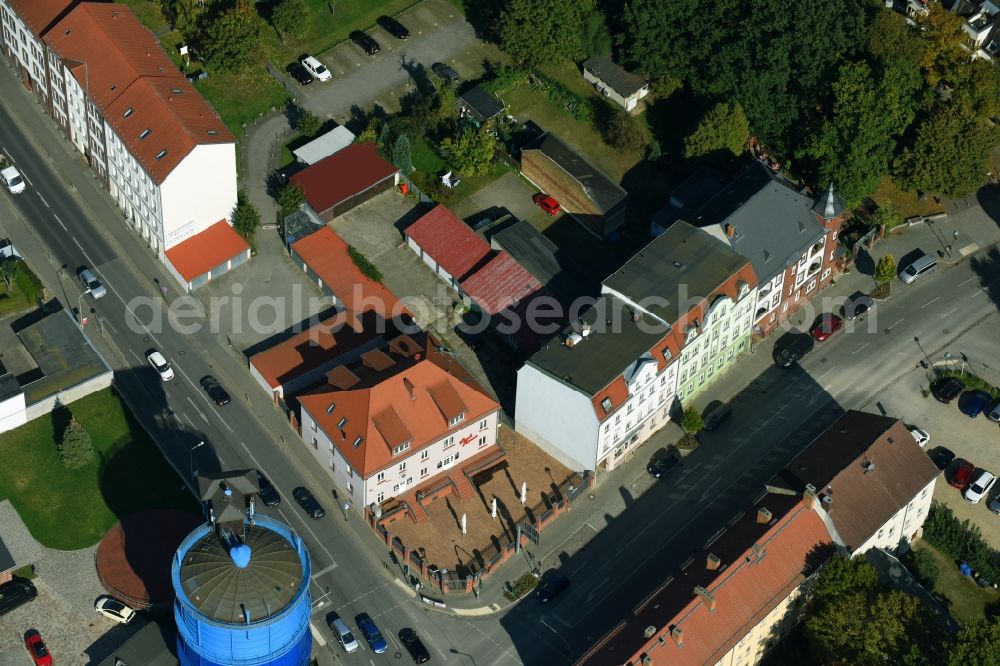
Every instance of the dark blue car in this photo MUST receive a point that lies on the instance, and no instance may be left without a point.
(974, 403)
(371, 633)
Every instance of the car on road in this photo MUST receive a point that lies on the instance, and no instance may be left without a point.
(315, 68)
(972, 404)
(994, 411)
(980, 487)
(941, 457)
(551, 586)
(826, 325)
(857, 306)
(37, 650)
(16, 593)
(342, 632)
(414, 646)
(298, 72)
(268, 494)
(12, 179)
(114, 610)
(92, 284)
(366, 42)
(920, 265)
(660, 466)
(393, 27)
(371, 633)
(309, 503)
(715, 414)
(547, 203)
(445, 72)
(962, 475)
(160, 364)
(919, 435)
(215, 391)
(947, 389)
(790, 349)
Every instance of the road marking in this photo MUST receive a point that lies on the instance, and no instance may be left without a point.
(43, 199)
(193, 426)
(317, 574)
(860, 348)
(200, 413)
(892, 326)
(226, 424)
(107, 322)
(936, 298)
(947, 313)
(60, 222)
(137, 357)
(828, 371)
(593, 590)
(193, 385)
(962, 284)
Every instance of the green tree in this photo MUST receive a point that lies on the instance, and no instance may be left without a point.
(977, 84)
(230, 36)
(845, 575)
(308, 123)
(446, 98)
(885, 271)
(472, 151)
(977, 644)
(596, 37)
(402, 155)
(891, 39)
(290, 198)
(653, 150)
(944, 38)
(622, 133)
(291, 17)
(723, 127)
(76, 450)
(245, 217)
(543, 31)
(885, 216)
(923, 566)
(8, 271)
(385, 141)
(859, 628)
(691, 422)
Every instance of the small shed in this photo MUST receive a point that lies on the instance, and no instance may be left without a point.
(623, 88)
(479, 104)
(324, 145)
(346, 179)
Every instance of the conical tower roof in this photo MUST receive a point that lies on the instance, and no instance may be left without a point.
(829, 205)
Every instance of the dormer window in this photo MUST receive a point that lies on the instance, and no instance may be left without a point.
(667, 354)
(128, 112)
(342, 422)
(333, 406)
(606, 405)
(455, 420)
(144, 133)
(213, 132)
(399, 449)
(358, 441)
(160, 155)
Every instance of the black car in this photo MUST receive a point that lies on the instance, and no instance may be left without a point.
(858, 305)
(791, 348)
(444, 71)
(16, 593)
(660, 466)
(947, 389)
(393, 27)
(550, 586)
(366, 42)
(214, 390)
(412, 643)
(715, 413)
(300, 74)
(309, 503)
(941, 457)
(267, 493)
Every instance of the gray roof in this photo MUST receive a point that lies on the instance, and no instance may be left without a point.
(8, 386)
(763, 219)
(622, 82)
(481, 103)
(683, 262)
(324, 145)
(530, 249)
(688, 197)
(596, 185)
(606, 352)
(829, 205)
(153, 645)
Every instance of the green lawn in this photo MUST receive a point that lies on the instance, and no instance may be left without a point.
(68, 510)
(906, 204)
(964, 599)
(243, 97)
(23, 294)
(425, 159)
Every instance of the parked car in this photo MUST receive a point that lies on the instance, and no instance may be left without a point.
(366, 42)
(393, 27)
(790, 349)
(547, 203)
(994, 411)
(298, 72)
(973, 403)
(919, 435)
(980, 487)
(962, 475)
(445, 72)
(316, 68)
(160, 364)
(13, 180)
(941, 457)
(825, 326)
(414, 646)
(268, 494)
(714, 414)
(551, 586)
(994, 504)
(15, 593)
(309, 503)
(946, 390)
(371, 633)
(660, 466)
(215, 391)
(917, 267)
(857, 306)
(37, 650)
(342, 632)
(114, 610)
(92, 284)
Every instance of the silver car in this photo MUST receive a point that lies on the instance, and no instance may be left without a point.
(921, 265)
(92, 284)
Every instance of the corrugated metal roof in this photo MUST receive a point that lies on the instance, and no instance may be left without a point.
(449, 241)
(324, 145)
(500, 283)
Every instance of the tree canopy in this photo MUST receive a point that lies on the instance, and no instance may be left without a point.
(230, 36)
(723, 127)
(291, 17)
(542, 31)
(472, 151)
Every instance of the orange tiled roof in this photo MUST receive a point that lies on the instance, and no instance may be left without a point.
(500, 283)
(340, 176)
(40, 14)
(410, 401)
(449, 241)
(202, 252)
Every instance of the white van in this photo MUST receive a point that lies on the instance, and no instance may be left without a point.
(343, 634)
(922, 265)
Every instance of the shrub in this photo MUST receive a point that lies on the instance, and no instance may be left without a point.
(28, 282)
(687, 443)
(692, 423)
(971, 381)
(579, 107)
(505, 77)
(290, 198)
(76, 450)
(885, 216)
(308, 123)
(623, 133)
(885, 271)
(923, 566)
(520, 587)
(367, 268)
(961, 540)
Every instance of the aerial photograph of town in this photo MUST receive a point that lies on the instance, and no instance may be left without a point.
(500, 332)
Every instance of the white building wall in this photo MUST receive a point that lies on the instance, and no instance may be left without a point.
(897, 532)
(27, 50)
(557, 417)
(12, 413)
(768, 297)
(133, 190)
(329, 458)
(199, 192)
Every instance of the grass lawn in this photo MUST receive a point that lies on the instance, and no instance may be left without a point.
(68, 510)
(906, 204)
(425, 159)
(965, 599)
(23, 294)
(148, 11)
(242, 97)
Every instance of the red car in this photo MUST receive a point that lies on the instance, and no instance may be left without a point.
(825, 326)
(547, 203)
(36, 648)
(963, 475)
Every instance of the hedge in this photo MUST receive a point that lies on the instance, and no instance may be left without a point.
(28, 283)
(367, 268)
(962, 541)
(971, 381)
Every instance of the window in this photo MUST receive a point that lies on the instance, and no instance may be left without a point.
(618, 419)
(631, 406)
(380, 497)
(482, 441)
(160, 155)
(457, 419)
(423, 472)
(663, 380)
(350, 488)
(667, 355)
(424, 454)
(144, 133)
(315, 444)
(399, 449)
(607, 426)
(402, 467)
(380, 477)
(482, 424)
(395, 488)
(450, 441)
(606, 405)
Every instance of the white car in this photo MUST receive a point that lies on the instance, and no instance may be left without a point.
(978, 489)
(13, 180)
(160, 364)
(921, 436)
(316, 68)
(114, 610)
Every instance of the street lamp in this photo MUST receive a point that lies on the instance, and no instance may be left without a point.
(194, 448)
(927, 361)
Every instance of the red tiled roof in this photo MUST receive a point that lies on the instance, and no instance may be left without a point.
(449, 241)
(500, 283)
(327, 255)
(203, 252)
(39, 14)
(342, 175)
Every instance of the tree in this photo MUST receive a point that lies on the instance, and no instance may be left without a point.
(308, 123)
(542, 31)
(385, 140)
(402, 154)
(923, 566)
(653, 150)
(845, 575)
(885, 216)
(885, 271)
(291, 17)
(692, 422)
(291, 198)
(977, 644)
(723, 127)
(944, 37)
(76, 450)
(230, 36)
(623, 134)
(245, 217)
(8, 271)
(596, 37)
(891, 39)
(472, 151)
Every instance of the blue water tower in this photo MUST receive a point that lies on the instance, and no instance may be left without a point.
(242, 583)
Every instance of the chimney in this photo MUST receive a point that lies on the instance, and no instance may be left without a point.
(764, 515)
(409, 388)
(649, 632)
(707, 597)
(730, 230)
(713, 562)
(646, 660)
(678, 635)
(573, 339)
(809, 498)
